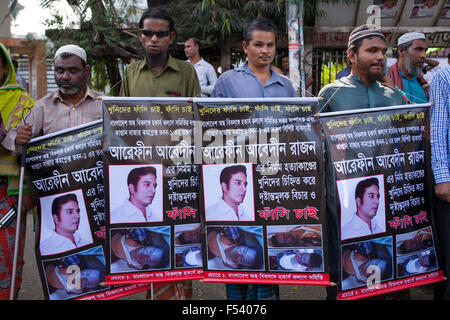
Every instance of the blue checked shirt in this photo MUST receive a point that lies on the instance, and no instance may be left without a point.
(440, 126)
(242, 83)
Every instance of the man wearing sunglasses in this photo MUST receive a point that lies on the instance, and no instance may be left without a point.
(159, 74)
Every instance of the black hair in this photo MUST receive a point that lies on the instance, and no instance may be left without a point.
(196, 41)
(157, 13)
(315, 260)
(137, 173)
(261, 24)
(227, 172)
(363, 185)
(15, 63)
(60, 201)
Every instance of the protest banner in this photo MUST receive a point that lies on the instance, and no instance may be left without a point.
(261, 191)
(379, 160)
(153, 231)
(64, 171)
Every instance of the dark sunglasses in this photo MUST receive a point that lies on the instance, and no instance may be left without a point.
(159, 34)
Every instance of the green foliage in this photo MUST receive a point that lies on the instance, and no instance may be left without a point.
(216, 21)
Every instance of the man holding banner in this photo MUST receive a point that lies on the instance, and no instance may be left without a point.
(259, 80)
(363, 88)
(73, 104)
(440, 162)
(161, 75)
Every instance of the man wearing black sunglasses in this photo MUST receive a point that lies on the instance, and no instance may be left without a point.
(159, 74)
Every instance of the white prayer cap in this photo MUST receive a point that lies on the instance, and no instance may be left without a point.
(410, 36)
(73, 49)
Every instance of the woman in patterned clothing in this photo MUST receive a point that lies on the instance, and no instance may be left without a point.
(13, 100)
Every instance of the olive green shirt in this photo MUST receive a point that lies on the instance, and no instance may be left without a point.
(178, 79)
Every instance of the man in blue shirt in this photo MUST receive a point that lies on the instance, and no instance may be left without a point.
(207, 76)
(440, 163)
(254, 79)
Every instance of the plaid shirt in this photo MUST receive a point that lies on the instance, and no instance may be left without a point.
(51, 114)
(252, 291)
(440, 126)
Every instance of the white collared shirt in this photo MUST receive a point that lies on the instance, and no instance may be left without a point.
(57, 243)
(357, 227)
(207, 76)
(222, 211)
(129, 213)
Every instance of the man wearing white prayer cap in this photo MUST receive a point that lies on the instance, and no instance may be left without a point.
(72, 49)
(407, 72)
(72, 104)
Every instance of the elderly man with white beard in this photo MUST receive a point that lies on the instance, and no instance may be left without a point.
(407, 72)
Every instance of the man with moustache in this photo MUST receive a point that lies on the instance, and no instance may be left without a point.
(74, 103)
(255, 79)
(142, 188)
(159, 74)
(233, 183)
(363, 88)
(407, 72)
(66, 216)
(256, 75)
(367, 198)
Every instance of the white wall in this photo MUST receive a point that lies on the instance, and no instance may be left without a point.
(5, 27)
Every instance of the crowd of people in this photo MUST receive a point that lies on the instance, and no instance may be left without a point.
(367, 85)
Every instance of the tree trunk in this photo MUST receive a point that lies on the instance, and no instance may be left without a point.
(225, 57)
(114, 76)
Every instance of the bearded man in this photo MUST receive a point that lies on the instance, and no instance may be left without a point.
(407, 72)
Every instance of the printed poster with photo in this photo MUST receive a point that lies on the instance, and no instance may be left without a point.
(153, 231)
(381, 168)
(424, 9)
(64, 171)
(262, 191)
(388, 8)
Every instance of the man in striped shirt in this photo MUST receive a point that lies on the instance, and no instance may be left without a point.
(71, 105)
(440, 163)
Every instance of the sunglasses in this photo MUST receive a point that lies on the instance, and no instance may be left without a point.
(159, 34)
